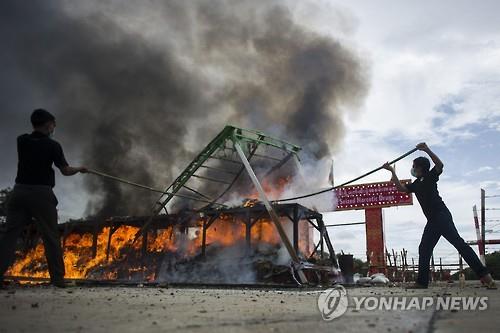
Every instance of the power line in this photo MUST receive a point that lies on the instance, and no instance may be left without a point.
(342, 224)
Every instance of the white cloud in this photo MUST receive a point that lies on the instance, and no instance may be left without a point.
(424, 54)
(484, 168)
(435, 75)
(481, 169)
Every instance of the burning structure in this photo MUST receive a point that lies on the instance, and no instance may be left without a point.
(141, 86)
(197, 233)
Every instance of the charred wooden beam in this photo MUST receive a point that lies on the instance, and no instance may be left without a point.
(211, 179)
(279, 164)
(329, 245)
(206, 224)
(197, 192)
(144, 247)
(248, 231)
(219, 169)
(225, 159)
(204, 238)
(268, 157)
(112, 230)
(95, 233)
(296, 229)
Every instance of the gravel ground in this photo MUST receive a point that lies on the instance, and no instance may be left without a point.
(136, 309)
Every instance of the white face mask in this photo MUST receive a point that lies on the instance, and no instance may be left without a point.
(51, 133)
(413, 172)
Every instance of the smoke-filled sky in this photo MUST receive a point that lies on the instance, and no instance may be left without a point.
(139, 87)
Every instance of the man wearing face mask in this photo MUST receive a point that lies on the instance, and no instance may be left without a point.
(32, 196)
(439, 219)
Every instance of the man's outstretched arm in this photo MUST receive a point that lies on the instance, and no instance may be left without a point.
(438, 164)
(62, 164)
(70, 171)
(395, 179)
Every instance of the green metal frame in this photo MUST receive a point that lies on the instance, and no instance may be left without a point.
(244, 143)
(249, 140)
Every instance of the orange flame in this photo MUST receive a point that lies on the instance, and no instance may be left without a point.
(123, 258)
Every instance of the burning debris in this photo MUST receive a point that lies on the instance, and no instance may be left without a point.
(237, 245)
(183, 71)
(200, 243)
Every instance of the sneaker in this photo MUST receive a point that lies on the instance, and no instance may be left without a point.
(488, 282)
(416, 286)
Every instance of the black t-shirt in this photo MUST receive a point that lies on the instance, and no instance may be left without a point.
(425, 189)
(36, 153)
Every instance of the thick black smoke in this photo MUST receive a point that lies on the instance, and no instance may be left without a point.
(138, 89)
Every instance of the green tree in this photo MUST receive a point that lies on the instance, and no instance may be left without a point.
(360, 267)
(493, 264)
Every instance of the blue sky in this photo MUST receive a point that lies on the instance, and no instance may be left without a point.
(435, 77)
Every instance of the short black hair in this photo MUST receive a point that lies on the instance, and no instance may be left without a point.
(423, 163)
(40, 117)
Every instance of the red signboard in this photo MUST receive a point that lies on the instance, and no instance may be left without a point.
(372, 195)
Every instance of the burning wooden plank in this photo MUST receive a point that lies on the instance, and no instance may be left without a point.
(182, 242)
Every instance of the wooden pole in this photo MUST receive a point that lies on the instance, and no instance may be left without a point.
(440, 269)
(432, 265)
(395, 262)
(483, 220)
(204, 237)
(478, 235)
(94, 242)
(108, 245)
(270, 210)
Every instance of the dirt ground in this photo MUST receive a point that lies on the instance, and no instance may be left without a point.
(176, 309)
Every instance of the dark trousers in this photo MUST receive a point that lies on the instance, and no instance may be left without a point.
(27, 202)
(441, 224)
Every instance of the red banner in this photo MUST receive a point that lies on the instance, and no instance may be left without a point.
(372, 195)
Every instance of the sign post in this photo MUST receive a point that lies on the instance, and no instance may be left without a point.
(372, 198)
(372, 195)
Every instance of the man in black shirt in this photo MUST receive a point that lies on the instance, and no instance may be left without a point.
(32, 197)
(439, 219)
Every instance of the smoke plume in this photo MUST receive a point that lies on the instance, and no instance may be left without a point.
(139, 88)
